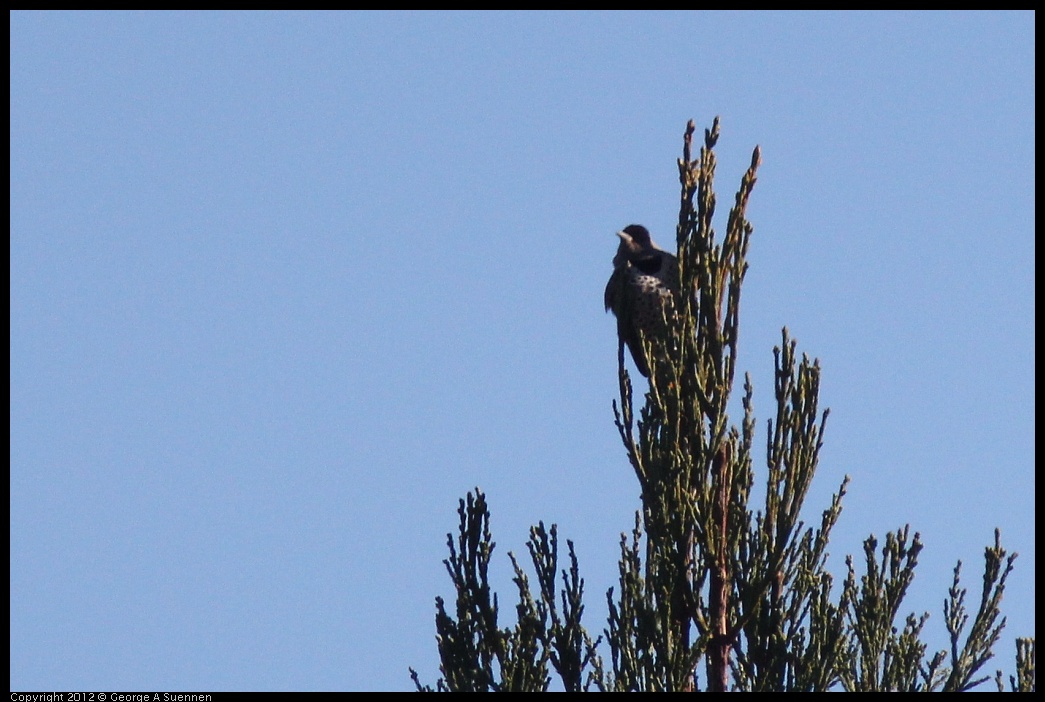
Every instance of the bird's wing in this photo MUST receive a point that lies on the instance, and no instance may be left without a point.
(612, 296)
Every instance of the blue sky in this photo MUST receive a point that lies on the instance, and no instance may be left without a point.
(284, 287)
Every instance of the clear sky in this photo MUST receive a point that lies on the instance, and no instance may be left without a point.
(284, 287)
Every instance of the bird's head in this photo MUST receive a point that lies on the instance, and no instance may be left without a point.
(634, 242)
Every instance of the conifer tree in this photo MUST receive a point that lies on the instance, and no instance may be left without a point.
(715, 593)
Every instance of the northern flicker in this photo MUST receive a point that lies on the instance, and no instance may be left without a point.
(640, 290)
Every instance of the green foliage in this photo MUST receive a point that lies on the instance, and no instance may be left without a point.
(708, 580)
(477, 654)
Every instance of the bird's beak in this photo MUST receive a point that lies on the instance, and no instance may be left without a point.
(623, 236)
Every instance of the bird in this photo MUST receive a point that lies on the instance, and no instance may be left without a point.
(640, 290)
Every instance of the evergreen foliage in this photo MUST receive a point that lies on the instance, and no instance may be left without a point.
(714, 592)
